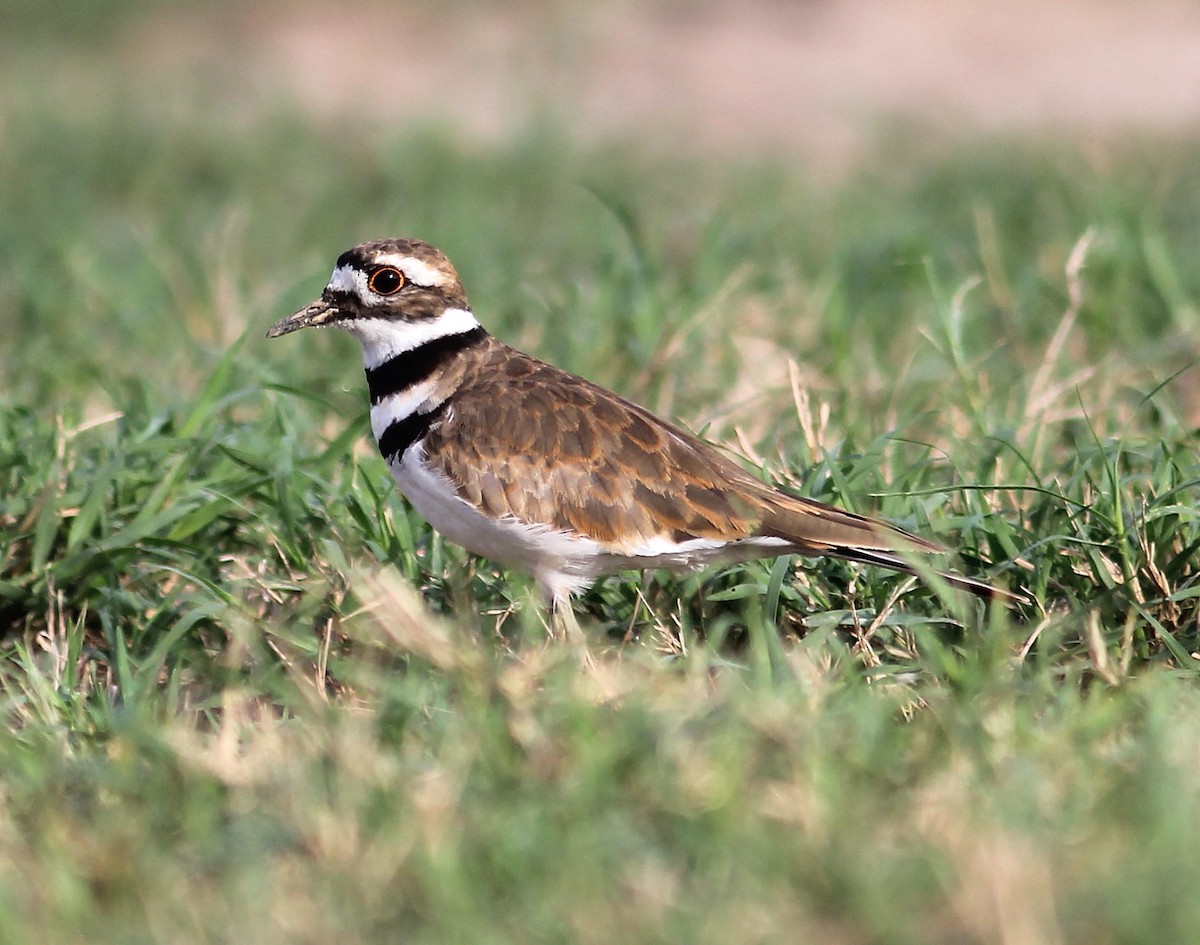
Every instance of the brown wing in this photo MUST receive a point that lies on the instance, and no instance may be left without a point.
(529, 440)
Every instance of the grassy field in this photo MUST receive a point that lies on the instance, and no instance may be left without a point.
(249, 696)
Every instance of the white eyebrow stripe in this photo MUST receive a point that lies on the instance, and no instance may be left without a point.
(354, 281)
(414, 269)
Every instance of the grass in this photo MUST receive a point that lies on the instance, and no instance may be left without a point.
(248, 694)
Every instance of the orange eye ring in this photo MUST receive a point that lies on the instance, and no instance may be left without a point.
(386, 280)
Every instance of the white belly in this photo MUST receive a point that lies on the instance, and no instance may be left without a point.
(561, 562)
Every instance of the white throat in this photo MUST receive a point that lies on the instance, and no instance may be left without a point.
(384, 338)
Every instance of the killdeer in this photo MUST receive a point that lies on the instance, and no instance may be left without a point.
(535, 468)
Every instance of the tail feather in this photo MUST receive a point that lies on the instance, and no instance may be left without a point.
(976, 586)
(819, 529)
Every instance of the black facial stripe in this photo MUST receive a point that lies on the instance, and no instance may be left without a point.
(401, 434)
(419, 364)
(338, 298)
(351, 258)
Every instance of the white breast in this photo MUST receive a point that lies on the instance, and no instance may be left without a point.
(400, 406)
(561, 563)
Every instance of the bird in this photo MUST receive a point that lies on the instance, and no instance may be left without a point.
(540, 470)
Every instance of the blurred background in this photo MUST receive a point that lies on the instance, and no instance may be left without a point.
(209, 159)
(810, 77)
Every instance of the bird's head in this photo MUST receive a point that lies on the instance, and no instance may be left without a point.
(391, 294)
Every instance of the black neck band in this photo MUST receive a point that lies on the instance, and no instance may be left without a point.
(421, 363)
(401, 434)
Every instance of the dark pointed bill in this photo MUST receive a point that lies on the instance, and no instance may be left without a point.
(320, 312)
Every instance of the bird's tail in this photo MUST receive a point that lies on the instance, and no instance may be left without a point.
(976, 586)
(819, 529)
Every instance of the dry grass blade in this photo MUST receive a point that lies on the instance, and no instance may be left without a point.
(403, 623)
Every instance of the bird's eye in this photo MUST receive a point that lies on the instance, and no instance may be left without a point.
(386, 280)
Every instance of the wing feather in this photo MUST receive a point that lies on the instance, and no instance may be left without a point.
(528, 440)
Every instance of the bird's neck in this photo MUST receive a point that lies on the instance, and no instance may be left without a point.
(384, 339)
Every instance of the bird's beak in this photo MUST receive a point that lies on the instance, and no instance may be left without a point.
(320, 312)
